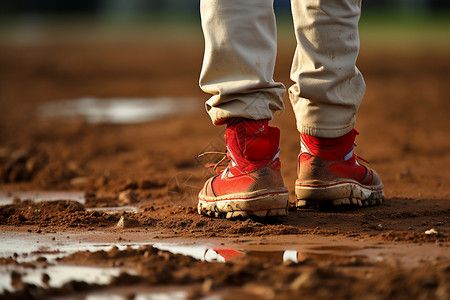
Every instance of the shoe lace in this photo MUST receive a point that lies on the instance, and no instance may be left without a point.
(217, 164)
(357, 156)
(363, 159)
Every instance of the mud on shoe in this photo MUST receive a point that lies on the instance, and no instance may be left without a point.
(329, 174)
(251, 184)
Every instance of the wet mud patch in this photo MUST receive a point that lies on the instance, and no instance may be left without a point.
(63, 213)
(117, 110)
(251, 269)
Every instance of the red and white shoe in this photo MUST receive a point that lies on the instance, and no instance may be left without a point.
(329, 174)
(252, 184)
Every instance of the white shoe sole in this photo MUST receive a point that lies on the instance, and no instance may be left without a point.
(269, 203)
(337, 193)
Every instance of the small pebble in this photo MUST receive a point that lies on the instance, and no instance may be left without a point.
(127, 197)
(431, 231)
(126, 222)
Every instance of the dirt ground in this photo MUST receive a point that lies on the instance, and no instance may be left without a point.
(403, 122)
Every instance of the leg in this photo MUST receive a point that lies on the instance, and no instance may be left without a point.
(238, 65)
(328, 86)
(327, 92)
(239, 59)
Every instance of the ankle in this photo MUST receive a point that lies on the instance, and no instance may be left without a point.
(340, 148)
(251, 142)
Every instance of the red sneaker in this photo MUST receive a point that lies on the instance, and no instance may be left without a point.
(252, 184)
(329, 174)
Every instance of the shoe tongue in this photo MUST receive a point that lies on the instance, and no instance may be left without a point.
(252, 143)
(340, 148)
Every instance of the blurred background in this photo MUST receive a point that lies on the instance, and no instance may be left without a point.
(137, 56)
(28, 20)
(130, 9)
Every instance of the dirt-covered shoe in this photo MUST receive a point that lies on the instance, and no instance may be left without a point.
(329, 174)
(252, 184)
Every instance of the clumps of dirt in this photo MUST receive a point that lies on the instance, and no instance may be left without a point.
(186, 221)
(4, 261)
(32, 291)
(172, 219)
(12, 261)
(263, 227)
(126, 189)
(42, 167)
(20, 165)
(100, 199)
(397, 236)
(259, 277)
(122, 197)
(113, 257)
(62, 213)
